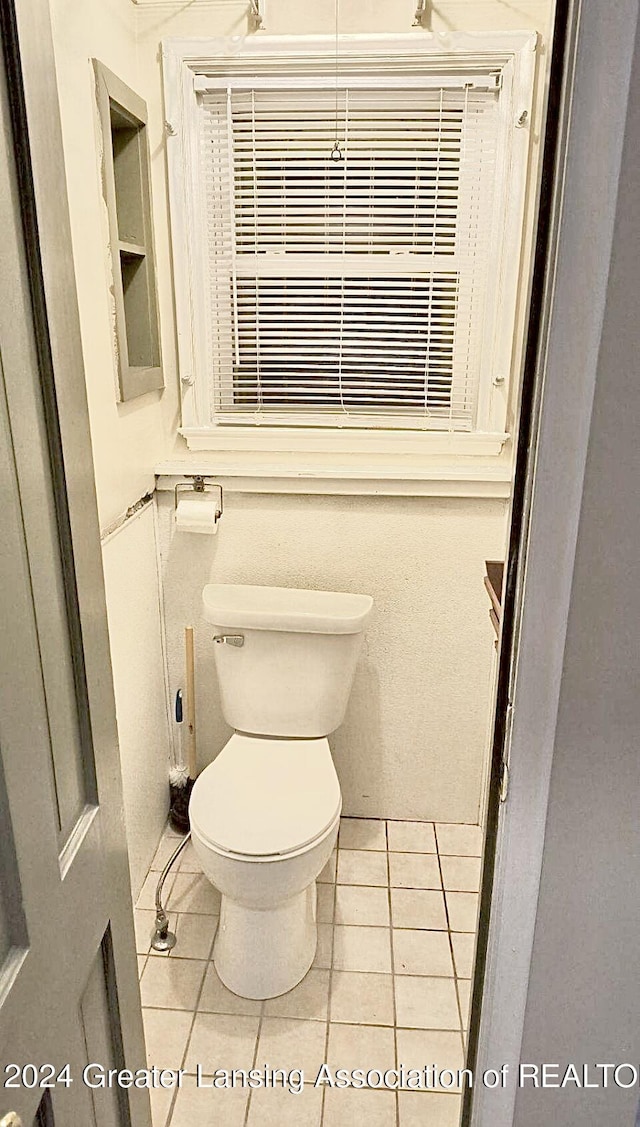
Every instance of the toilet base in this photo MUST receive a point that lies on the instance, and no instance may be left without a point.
(264, 952)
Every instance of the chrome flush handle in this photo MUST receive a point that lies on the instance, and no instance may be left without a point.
(225, 640)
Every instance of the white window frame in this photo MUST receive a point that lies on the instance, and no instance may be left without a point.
(512, 55)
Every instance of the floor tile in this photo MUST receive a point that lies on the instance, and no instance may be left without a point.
(324, 947)
(463, 952)
(464, 997)
(366, 999)
(411, 837)
(345, 1106)
(353, 888)
(142, 962)
(362, 948)
(194, 936)
(188, 862)
(144, 922)
(433, 1048)
(462, 908)
(167, 846)
(277, 1107)
(418, 908)
(426, 1003)
(362, 866)
(160, 1103)
(361, 1046)
(209, 1107)
(192, 892)
(422, 952)
(171, 984)
(362, 833)
(460, 874)
(222, 1041)
(328, 874)
(309, 999)
(147, 897)
(429, 1109)
(166, 1033)
(170, 832)
(356, 904)
(459, 841)
(215, 997)
(414, 870)
(290, 1042)
(326, 894)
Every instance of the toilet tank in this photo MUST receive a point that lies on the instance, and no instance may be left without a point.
(287, 661)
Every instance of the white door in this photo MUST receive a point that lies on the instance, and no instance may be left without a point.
(68, 982)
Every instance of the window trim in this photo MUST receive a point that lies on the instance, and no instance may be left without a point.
(513, 56)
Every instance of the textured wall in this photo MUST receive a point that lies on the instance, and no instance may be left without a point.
(414, 738)
(133, 608)
(128, 438)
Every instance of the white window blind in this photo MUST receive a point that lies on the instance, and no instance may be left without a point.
(348, 292)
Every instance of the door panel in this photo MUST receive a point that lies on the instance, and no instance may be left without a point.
(100, 1024)
(68, 972)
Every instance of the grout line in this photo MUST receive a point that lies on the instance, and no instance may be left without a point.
(254, 1059)
(393, 972)
(333, 923)
(193, 1020)
(453, 958)
(334, 885)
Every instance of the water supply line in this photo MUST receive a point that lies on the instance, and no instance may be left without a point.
(163, 939)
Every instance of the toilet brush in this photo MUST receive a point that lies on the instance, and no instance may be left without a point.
(181, 778)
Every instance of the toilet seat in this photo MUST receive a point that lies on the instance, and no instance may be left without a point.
(266, 798)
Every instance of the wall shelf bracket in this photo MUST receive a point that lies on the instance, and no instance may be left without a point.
(423, 14)
(256, 15)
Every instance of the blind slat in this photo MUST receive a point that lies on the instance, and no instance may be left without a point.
(354, 288)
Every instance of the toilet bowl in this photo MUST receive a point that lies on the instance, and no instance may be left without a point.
(265, 814)
(262, 839)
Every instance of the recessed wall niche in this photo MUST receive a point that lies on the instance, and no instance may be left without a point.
(126, 189)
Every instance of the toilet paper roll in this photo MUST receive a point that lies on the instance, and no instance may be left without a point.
(197, 515)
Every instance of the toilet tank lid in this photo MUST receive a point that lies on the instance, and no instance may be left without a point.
(234, 605)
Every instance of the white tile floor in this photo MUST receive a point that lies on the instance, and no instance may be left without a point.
(397, 909)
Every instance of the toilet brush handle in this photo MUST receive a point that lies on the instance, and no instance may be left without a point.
(191, 701)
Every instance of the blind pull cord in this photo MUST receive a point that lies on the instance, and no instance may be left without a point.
(336, 152)
(232, 207)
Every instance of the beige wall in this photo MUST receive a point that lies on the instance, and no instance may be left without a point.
(128, 438)
(135, 632)
(413, 742)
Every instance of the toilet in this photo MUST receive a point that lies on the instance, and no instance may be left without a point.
(265, 814)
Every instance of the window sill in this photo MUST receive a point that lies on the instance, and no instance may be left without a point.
(337, 443)
(408, 475)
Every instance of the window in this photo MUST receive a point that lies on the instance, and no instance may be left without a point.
(125, 179)
(363, 288)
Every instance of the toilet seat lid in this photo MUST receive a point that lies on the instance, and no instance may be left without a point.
(262, 797)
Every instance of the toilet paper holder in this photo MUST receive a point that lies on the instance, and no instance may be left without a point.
(197, 483)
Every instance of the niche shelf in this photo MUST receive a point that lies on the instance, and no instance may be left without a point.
(127, 194)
